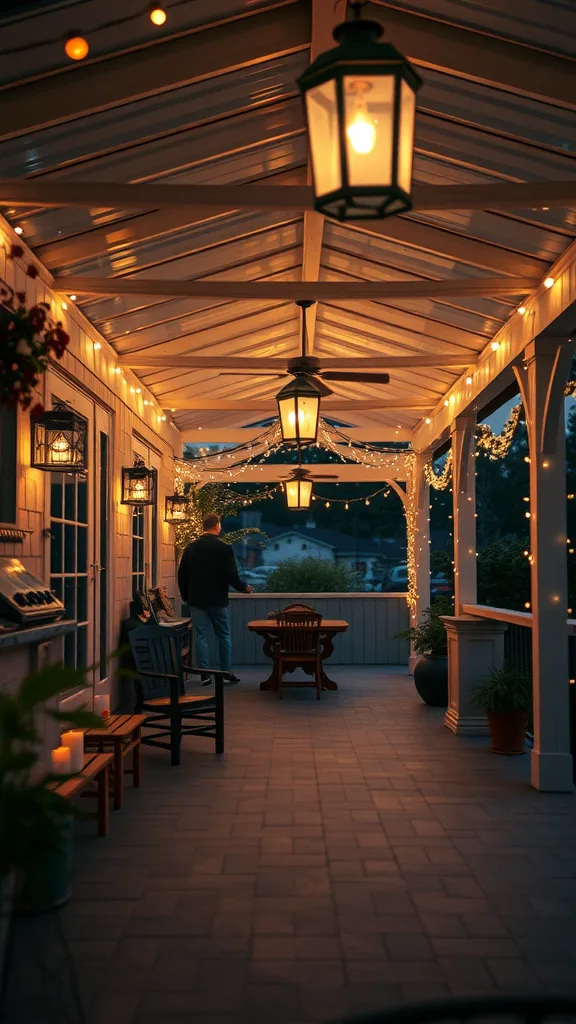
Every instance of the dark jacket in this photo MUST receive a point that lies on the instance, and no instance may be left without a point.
(207, 569)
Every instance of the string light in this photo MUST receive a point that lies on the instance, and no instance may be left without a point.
(97, 346)
(19, 230)
(522, 310)
(548, 282)
(494, 345)
(72, 297)
(157, 15)
(76, 47)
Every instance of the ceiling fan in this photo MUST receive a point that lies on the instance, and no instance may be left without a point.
(301, 473)
(311, 366)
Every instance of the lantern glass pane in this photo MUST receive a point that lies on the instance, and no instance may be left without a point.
(369, 129)
(322, 113)
(298, 493)
(299, 417)
(406, 139)
(305, 493)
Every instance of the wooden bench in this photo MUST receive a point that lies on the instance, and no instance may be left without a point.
(121, 734)
(93, 780)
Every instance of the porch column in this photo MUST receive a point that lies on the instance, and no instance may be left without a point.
(542, 379)
(418, 541)
(464, 511)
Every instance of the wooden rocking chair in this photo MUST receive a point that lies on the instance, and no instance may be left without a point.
(161, 692)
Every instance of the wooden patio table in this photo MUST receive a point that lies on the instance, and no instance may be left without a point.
(270, 630)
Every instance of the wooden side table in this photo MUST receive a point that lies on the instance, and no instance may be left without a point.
(96, 770)
(121, 734)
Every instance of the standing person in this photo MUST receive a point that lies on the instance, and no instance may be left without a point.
(207, 569)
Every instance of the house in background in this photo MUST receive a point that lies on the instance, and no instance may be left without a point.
(358, 553)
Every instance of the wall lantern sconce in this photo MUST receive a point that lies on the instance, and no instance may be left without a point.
(299, 409)
(177, 508)
(298, 490)
(360, 103)
(58, 440)
(138, 484)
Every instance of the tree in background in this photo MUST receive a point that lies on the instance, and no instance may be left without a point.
(312, 576)
(217, 498)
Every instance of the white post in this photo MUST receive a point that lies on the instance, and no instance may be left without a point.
(464, 511)
(542, 380)
(418, 541)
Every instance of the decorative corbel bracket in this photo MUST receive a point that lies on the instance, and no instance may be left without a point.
(542, 377)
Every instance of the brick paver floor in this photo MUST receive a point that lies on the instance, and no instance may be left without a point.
(344, 856)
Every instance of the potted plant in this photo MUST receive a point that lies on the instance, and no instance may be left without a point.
(428, 639)
(506, 697)
(35, 821)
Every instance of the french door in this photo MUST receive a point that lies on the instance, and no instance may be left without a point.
(79, 556)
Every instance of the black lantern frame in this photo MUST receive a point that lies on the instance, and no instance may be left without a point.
(299, 410)
(298, 490)
(176, 509)
(59, 440)
(368, 87)
(139, 484)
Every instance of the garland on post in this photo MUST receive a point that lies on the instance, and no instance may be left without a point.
(28, 338)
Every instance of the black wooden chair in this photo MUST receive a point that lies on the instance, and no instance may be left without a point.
(299, 644)
(161, 692)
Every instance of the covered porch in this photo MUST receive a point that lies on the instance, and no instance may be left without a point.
(345, 856)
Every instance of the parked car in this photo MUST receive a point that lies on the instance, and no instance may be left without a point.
(398, 583)
(440, 586)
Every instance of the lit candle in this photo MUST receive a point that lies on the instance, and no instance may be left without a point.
(61, 761)
(102, 705)
(75, 741)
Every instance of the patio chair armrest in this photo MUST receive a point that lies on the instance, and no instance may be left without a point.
(157, 675)
(193, 670)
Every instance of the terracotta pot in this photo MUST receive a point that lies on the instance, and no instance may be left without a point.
(508, 731)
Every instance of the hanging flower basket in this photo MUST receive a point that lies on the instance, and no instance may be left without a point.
(28, 338)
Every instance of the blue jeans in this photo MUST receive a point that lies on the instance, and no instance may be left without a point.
(219, 620)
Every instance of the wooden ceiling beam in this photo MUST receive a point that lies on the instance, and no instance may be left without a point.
(115, 79)
(295, 198)
(140, 361)
(243, 435)
(289, 291)
(268, 405)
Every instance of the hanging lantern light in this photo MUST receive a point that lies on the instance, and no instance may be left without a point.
(177, 508)
(138, 484)
(59, 440)
(299, 409)
(298, 490)
(360, 103)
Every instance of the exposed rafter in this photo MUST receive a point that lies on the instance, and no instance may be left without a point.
(140, 361)
(212, 200)
(395, 468)
(192, 56)
(241, 435)
(289, 291)
(478, 56)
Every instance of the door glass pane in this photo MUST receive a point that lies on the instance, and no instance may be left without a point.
(56, 547)
(69, 557)
(70, 530)
(69, 497)
(104, 574)
(56, 497)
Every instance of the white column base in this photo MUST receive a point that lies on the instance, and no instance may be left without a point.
(551, 773)
(466, 725)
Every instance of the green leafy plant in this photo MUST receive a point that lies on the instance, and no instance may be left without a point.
(505, 689)
(32, 815)
(311, 576)
(429, 636)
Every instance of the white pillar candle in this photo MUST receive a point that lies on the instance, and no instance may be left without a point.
(61, 761)
(102, 705)
(75, 740)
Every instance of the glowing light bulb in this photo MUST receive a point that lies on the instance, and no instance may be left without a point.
(117, 369)
(361, 133)
(548, 282)
(97, 346)
(428, 421)
(18, 230)
(468, 380)
(73, 298)
(64, 305)
(495, 345)
(157, 15)
(76, 48)
(521, 310)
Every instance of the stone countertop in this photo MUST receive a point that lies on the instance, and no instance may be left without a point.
(37, 634)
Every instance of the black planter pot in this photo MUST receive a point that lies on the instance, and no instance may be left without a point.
(48, 886)
(431, 679)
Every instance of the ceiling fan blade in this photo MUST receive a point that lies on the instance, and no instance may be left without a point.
(359, 378)
(252, 373)
(325, 476)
